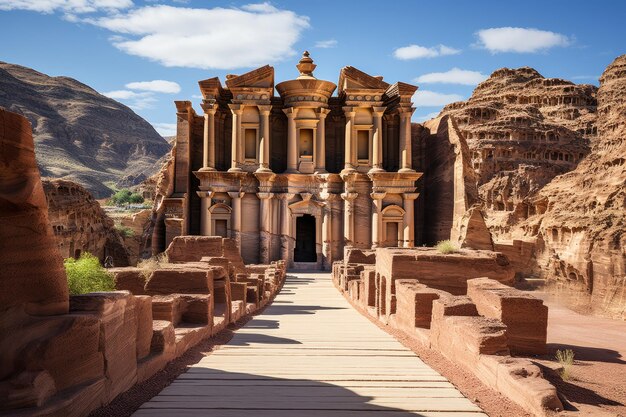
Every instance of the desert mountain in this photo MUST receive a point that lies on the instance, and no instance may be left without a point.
(81, 135)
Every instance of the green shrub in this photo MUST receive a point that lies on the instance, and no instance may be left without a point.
(125, 231)
(446, 246)
(566, 359)
(136, 198)
(85, 275)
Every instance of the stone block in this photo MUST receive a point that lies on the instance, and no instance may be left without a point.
(180, 281)
(525, 316)
(414, 304)
(197, 309)
(239, 291)
(143, 315)
(129, 279)
(193, 248)
(168, 307)
(163, 337)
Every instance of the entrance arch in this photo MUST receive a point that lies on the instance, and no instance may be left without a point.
(305, 239)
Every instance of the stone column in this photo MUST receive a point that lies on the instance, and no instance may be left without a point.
(237, 110)
(320, 142)
(327, 231)
(235, 221)
(377, 224)
(377, 139)
(409, 221)
(292, 145)
(349, 160)
(208, 154)
(285, 221)
(265, 223)
(348, 213)
(205, 205)
(264, 143)
(406, 162)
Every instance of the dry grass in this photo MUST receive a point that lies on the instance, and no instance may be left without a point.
(566, 359)
(446, 246)
(148, 266)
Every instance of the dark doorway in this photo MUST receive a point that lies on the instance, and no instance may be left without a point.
(305, 239)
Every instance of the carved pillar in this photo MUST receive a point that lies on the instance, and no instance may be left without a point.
(320, 142)
(348, 213)
(408, 221)
(377, 224)
(205, 205)
(349, 160)
(237, 110)
(235, 222)
(208, 154)
(327, 231)
(292, 148)
(406, 163)
(265, 222)
(264, 143)
(377, 139)
(285, 221)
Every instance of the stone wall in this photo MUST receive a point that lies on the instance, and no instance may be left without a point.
(81, 225)
(478, 327)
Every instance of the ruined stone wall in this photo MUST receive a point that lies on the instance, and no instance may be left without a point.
(80, 224)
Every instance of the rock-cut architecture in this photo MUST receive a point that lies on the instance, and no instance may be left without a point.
(296, 176)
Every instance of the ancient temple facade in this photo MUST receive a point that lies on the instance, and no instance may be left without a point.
(297, 175)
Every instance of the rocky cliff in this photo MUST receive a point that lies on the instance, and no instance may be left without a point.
(80, 224)
(81, 135)
(523, 130)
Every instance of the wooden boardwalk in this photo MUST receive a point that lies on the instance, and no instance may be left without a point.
(311, 354)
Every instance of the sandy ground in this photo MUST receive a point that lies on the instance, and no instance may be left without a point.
(597, 386)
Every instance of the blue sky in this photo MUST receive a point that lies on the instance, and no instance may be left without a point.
(147, 54)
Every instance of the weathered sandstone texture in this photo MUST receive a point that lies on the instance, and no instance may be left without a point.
(139, 226)
(81, 225)
(477, 323)
(66, 356)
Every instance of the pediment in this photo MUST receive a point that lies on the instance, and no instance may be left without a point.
(353, 78)
(259, 78)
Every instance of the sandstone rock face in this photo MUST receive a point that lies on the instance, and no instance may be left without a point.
(80, 134)
(32, 274)
(582, 234)
(523, 130)
(80, 224)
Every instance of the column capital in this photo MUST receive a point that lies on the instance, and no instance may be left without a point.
(323, 112)
(205, 194)
(291, 112)
(406, 111)
(236, 194)
(349, 196)
(236, 108)
(349, 111)
(284, 196)
(378, 196)
(329, 196)
(209, 108)
(379, 111)
(265, 196)
(410, 196)
(264, 109)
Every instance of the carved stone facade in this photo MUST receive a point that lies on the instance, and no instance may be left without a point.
(299, 176)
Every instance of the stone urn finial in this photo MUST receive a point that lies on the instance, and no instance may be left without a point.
(306, 65)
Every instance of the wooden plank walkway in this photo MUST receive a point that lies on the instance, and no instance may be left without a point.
(310, 354)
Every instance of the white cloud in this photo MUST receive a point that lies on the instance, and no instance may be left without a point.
(165, 129)
(217, 38)
(426, 98)
(426, 117)
(330, 43)
(417, 51)
(520, 40)
(453, 76)
(197, 96)
(70, 6)
(134, 100)
(156, 86)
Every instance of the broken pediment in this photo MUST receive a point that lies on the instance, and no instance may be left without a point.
(259, 78)
(351, 78)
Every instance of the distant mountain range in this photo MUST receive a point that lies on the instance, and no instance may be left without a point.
(81, 135)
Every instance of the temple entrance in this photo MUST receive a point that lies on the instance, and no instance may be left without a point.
(305, 239)
(391, 234)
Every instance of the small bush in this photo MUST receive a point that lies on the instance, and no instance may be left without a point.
(446, 246)
(566, 359)
(125, 231)
(125, 197)
(148, 266)
(85, 275)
